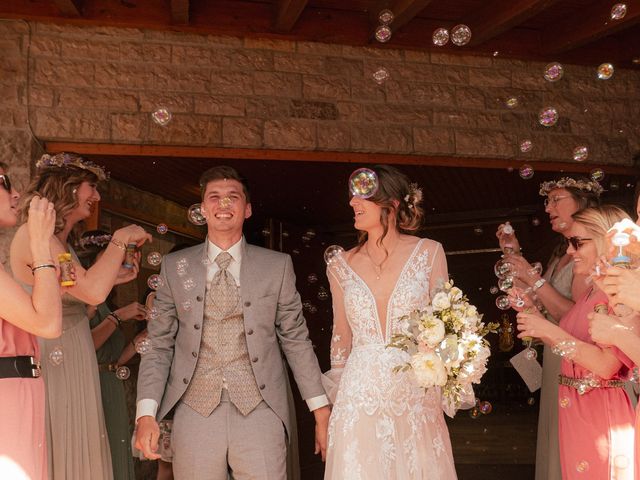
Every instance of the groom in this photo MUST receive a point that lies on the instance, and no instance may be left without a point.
(226, 311)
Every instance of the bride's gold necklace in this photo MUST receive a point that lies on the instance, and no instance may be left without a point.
(378, 266)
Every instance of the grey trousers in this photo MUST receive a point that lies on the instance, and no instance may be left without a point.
(206, 448)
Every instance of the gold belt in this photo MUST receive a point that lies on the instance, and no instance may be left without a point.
(584, 385)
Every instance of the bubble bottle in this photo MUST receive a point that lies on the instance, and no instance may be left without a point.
(66, 270)
(621, 240)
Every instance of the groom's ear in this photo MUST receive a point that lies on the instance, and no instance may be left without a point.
(247, 211)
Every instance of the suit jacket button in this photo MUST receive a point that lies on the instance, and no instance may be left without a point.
(254, 359)
(195, 354)
(185, 380)
(250, 331)
(197, 326)
(262, 386)
(199, 298)
(247, 304)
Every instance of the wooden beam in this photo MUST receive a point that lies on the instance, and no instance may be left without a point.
(69, 8)
(498, 16)
(288, 13)
(323, 156)
(403, 12)
(180, 12)
(586, 26)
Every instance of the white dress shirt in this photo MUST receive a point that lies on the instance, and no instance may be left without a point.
(148, 406)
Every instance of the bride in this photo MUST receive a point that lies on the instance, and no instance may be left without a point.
(383, 426)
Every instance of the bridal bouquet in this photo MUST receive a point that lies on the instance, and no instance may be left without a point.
(447, 346)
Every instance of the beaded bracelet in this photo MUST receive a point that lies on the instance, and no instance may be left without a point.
(42, 265)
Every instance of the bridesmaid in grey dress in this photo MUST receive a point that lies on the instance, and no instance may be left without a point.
(555, 290)
(76, 434)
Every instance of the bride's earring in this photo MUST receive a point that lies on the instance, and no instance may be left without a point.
(74, 191)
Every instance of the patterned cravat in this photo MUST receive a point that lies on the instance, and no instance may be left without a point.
(223, 291)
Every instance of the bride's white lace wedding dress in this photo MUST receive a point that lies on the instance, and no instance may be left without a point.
(383, 426)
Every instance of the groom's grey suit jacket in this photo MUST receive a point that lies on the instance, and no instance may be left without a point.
(272, 321)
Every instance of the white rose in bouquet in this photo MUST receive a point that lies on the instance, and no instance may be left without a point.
(431, 331)
(440, 301)
(429, 369)
(455, 294)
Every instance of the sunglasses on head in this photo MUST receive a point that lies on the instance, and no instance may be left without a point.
(577, 242)
(6, 183)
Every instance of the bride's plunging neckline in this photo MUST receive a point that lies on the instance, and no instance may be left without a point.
(385, 337)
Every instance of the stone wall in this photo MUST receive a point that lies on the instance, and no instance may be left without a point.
(92, 84)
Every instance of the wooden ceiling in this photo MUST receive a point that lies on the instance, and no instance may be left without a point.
(577, 31)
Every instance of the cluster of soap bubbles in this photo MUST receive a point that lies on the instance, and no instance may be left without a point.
(460, 35)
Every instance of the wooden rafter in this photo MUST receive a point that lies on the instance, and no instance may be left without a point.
(403, 11)
(180, 12)
(288, 13)
(587, 26)
(69, 8)
(498, 16)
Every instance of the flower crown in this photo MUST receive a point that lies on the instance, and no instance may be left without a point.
(95, 240)
(71, 160)
(414, 197)
(564, 182)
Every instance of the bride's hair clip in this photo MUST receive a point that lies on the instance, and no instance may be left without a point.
(414, 197)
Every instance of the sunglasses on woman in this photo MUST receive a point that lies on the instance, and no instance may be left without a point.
(6, 183)
(577, 242)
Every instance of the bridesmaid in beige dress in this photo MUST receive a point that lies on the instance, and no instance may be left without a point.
(555, 290)
(76, 433)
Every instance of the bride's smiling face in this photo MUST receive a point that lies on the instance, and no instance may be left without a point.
(366, 213)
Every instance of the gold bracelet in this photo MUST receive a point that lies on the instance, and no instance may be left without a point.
(119, 244)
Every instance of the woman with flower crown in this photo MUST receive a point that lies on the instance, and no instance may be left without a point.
(23, 450)
(76, 434)
(383, 425)
(555, 291)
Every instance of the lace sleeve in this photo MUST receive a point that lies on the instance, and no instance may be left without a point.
(340, 339)
(439, 270)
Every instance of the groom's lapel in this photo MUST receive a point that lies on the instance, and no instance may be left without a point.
(247, 272)
(197, 270)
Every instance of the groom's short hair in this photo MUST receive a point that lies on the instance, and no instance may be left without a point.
(223, 172)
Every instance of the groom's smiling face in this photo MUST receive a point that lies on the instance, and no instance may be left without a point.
(225, 206)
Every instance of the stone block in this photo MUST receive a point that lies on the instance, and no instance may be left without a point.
(334, 136)
(349, 111)
(196, 56)
(439, 58)
(231, 83)
(326, 87)
(405, 114)
(13, 70)
(433, 141)
(367, 90)
(227, 106)
(94, 99)
(174, 102)
(145, 52)
(81, 49)
(182, 79)
(120, 75)
(45, 46)
(241, 132)
(317, 48)
(13, 27)
(277, 84)
(417, 56)
(489, 77)
(71, 125)
(467, 119)
(287, 134)
(9, 95)
(417, 72)
(187, 130)
(372, 52)
(381, 138)
(251, 60)
(313, 110)
(267, 108)
(343, 66)
(529, 79)
(469, 97)
(420, 94)
(487, 143)
(269, 44)
(129, 128)
(13, 118)
(295, 63)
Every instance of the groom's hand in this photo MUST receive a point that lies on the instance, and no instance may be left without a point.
(322, 426)
(147, 435)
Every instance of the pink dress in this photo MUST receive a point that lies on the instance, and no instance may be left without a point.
(23, 452)
(596, 429)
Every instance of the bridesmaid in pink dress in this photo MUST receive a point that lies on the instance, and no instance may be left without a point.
(22, 428)
(596, 419)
